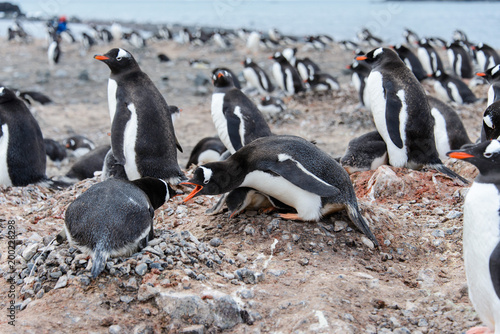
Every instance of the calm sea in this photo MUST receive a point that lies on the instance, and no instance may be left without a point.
(338, 18)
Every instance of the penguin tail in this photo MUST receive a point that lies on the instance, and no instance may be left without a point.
(54, 184)
(445, 170)
(360, 222)
(98, 260)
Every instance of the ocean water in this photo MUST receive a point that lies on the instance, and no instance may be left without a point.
(339, 18)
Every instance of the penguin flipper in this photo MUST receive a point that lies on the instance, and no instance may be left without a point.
(179, 147)
(98, 260)
(393, 106)
(233, 128)
(120, 120)
(294, 172)
(494, 265)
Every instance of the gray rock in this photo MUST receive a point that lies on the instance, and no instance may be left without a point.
(385, 183)
(115, 329)
(276, 272)
(61, 282)
(215, 242)
(126, 299)
(246, 293)
(195, 329)
(30, 251)
(132, 284)
(438, 233)
(249, 229)
(25, 303)
(146, 292)
(141, 269)
(339, 225)
(453, 214)
(248, 276)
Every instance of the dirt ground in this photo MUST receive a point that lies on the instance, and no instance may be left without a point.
(316, 277)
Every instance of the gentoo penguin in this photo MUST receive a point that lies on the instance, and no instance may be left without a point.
(236, 82)
(31, 96)
(306, 68)
(22, 150)
(450, 88)
(411, 61)
(486, 56)
(163, 58)
(253, 42)
(88, 164)
(237, 120)
(315, 43)
(366, 152)
(206, 150)
(348, 45)
(320, 82)
(491, 122)
(364, 35)
(87, 42)
(360, 72)
(245, 198)
(115, 218)
(55, 151)
(459, 59)
(256, 77)
(492, 75)
(271, 106)
(135, 39)
(401, 113)
(79, 145)
(429, 57)
(142, 135)
(411, 37)
(449, 131)
(481, 234)
(54, 50)
(290, 169)
(286, 76)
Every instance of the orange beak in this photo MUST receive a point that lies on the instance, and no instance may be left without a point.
(100, 57)
(361, 58)
(481, 74)
(460, 155)
(193, 193)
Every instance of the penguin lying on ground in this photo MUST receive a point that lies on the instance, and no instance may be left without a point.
(142, 134)
(453, 89)
(481, 234)
(88, 164)
(401, 113)
(79, 145)
(289, 169)
(237, 120)
(366, 152)
(206, 150)
(55, 151)
(115, 218)
(271, 106)
(492, 75)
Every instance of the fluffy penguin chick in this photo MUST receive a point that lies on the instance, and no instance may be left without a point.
(115, 218)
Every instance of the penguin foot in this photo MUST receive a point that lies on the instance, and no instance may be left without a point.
(479, 330)
(290, 216)
(268, 210)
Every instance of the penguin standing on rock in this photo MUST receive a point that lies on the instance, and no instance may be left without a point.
(481, 233)
(492, 75)
(453, 89)
(289, 169)
(115, 218)
(401, 113)
(237, 120)
(286, 75)
(142, 134)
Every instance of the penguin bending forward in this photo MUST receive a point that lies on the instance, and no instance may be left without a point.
(289, 169)
(481, 235)
(115, 218)
(142, 134)
(401, 113)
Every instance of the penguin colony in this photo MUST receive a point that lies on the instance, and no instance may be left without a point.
(253, 168)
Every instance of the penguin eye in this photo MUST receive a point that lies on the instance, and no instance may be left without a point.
(206, 181)
(118, 58)
(488, 155)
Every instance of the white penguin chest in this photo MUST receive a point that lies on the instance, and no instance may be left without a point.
(480, 237)
(220, 120)
(491, 95)
(278, 75)
(112, 87)
(4, 146)
(129, 143)
(251, 77)
(440, 134)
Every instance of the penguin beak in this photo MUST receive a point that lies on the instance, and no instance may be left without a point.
(459, 155)
(193, 193)
(101, 57)
(220, 75)
(481, 74)
(361, 58)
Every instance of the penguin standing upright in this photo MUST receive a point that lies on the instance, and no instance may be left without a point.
(256, 77)
(401, 113)
(411, 61)
(289, 169)
(115, 218)
(486, 56)
(237, 120)
(22, 149)
(459, 60)
(481, 233)
(286, 76)
(429, 57)
(54, 50)
(360, 73)
(142, 135)
(411, 37)
(452, 89)
(492, 75)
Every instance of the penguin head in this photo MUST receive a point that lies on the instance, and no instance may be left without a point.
(485, 156)
(492, 74)
(278, 56)
(6, 95)
(222, 78)
(247, 61)
(209, 179)
(378, 55)
(491, 121)
(118, 60)
(157, 190)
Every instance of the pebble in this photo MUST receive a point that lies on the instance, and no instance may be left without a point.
(141, 269)
(304, 261)
(61, 282)
(115, 329)
(339, 225)
(454, 214)
(249, 229)
(126, 299)
(249, 276)
(438, 233)
(215, 242)
(30, 251)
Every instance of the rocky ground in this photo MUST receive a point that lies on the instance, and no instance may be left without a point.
(250, 274)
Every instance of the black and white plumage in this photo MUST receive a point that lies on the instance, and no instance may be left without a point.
(142, 134)
(366, 152)
(206, 150)
(290, 169)
(430, 59)
(481, 232)
(486, 56)
(79, 145)
(55, 151)
(271, 106)
(115, 218)
(411, 61)
(451, 88)
(320, 82)
(491, 122)
(492, 75)
(459, 59)
(365, 35)
(256, 77)
(54, 50)
(236, 82)
(237, 120)
(286, 76)
(348, 45)
(411, 37)
(135, 39)
(87, 42)
(88, 164)
(401, 113)
(360, 73)
(307, 68)
(22, 149)
(32, 96)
